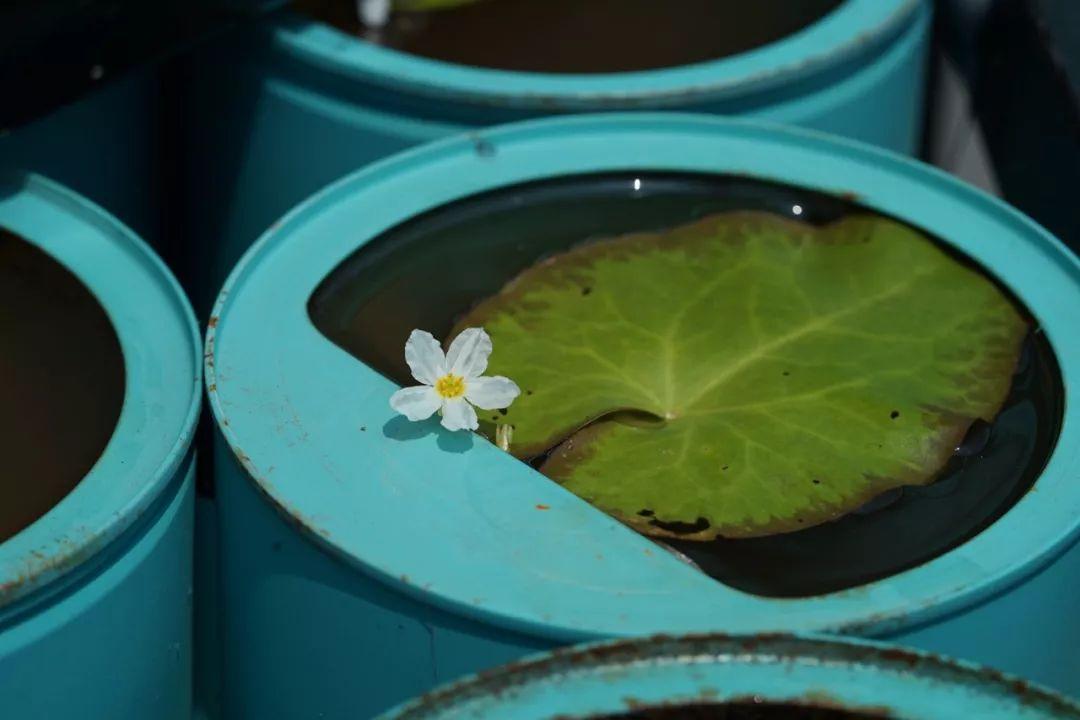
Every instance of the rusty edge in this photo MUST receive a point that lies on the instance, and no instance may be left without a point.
(81, 544)
(290, 514)
(881, 35)
(772, 648)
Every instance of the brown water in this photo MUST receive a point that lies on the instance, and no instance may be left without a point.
(584, 36)
(739, 711)
(429, 271)
(61, 382)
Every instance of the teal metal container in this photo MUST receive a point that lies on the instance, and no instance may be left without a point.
(96, 595)
(750, 672)
(360, 568)
(297, 104)
(103, 146)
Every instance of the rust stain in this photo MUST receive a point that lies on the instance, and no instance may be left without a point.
(71, 553)
(709, 697)
(821, 700)
(661, 647)
(540, 506)
(213, 321)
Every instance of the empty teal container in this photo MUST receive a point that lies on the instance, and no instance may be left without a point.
(96, 595)
(754, 677)
(362, 565)
(295, 104)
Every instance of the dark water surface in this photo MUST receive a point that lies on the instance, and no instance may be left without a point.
(583, 36)
(61, 382)
(429, 271)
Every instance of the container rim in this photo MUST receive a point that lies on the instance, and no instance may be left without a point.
(839, 674)
(356, 487)
(853, 29)
(159, 339)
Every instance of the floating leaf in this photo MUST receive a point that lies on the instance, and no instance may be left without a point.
(746, 374)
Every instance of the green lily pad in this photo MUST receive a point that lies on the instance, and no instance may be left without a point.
(746, 375)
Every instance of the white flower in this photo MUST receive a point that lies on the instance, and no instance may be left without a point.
(373, 13)
(452, 381)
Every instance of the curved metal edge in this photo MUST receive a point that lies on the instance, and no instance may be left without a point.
(37, 580)
(779, 649)
(665, 88)
(931, 610)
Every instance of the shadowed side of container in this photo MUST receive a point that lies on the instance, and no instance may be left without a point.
(293, 113)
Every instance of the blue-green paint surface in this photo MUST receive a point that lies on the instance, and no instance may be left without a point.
(103, 146)
(607, 678)
(297, 104)
(95, 596)
(360, 569)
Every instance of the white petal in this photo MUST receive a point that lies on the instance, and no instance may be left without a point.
(374, 13)
(491, 393)
(468, 354)
(425, 357)
(458, 415)
(416, 403)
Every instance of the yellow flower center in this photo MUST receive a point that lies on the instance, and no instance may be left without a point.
(450, 386)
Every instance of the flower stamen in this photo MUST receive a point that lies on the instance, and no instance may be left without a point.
(450, 386)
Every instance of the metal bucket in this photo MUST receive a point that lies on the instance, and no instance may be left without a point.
(95, 595)
(760, 675)
(102, 146)
(359, 569)
(302, 104)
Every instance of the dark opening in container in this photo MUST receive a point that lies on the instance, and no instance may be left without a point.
(738, 711)
(429, 271)
(61, 382)
(571, 36)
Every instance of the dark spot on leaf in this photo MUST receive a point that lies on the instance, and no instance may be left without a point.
(894, 414)
(528, 392)
(682, 528)
(724, 468)
(646, 512)
(503, 412)
(586, 290)
(816, 481)
(786, 373)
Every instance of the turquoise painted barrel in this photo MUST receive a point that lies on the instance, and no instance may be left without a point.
(303, 103)
(739, 678)
(103, 146)
(365, 559)
(96, 581)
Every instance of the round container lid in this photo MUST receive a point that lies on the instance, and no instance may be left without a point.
(853, 31)
(307, 419)
(875, 680)
(160, 343)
